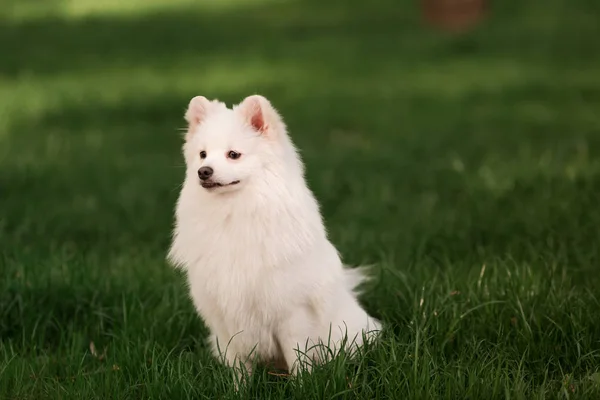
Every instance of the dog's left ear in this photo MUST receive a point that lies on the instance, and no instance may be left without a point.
(195, 114)
(260, 115)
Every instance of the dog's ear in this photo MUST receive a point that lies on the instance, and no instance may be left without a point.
(260, 115)
(195, 114)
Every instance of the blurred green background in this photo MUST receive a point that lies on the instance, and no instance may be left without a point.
(464, 165)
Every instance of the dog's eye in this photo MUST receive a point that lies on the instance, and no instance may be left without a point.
(234, 155)
(203, 154)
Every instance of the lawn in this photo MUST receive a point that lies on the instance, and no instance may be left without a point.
(466, 168)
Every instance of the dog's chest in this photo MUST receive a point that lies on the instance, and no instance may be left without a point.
(240, 243)
(226, 251)
(234, 266)
(236, 259)
(236, 283)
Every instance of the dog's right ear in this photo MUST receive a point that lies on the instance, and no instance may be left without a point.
(258, 112)
(195, 114)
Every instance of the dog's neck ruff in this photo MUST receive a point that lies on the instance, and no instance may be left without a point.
(250, 227)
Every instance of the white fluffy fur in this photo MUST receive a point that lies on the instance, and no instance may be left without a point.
(262, 273)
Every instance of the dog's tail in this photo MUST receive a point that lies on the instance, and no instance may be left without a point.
(357, 276)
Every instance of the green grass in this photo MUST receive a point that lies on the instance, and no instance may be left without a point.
(467, 168)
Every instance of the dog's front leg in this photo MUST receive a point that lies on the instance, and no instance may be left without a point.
(297, 339)
(228, 351)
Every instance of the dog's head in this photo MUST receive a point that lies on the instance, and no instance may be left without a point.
(226, 149)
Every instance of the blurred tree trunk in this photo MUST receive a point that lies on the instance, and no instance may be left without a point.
(454, 15)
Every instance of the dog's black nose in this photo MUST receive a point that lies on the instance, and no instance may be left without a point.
(205, 172)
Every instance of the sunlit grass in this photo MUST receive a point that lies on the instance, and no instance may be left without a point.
(74, 9)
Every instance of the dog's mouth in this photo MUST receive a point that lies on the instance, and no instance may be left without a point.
(213, 184)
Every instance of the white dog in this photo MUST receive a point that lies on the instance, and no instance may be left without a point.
(262, 273)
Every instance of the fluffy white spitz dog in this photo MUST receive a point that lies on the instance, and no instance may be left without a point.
(249, 234)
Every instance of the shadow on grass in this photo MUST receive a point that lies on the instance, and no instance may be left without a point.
(53, 45)
(305, 32)
(302, 31)
(59, 316)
